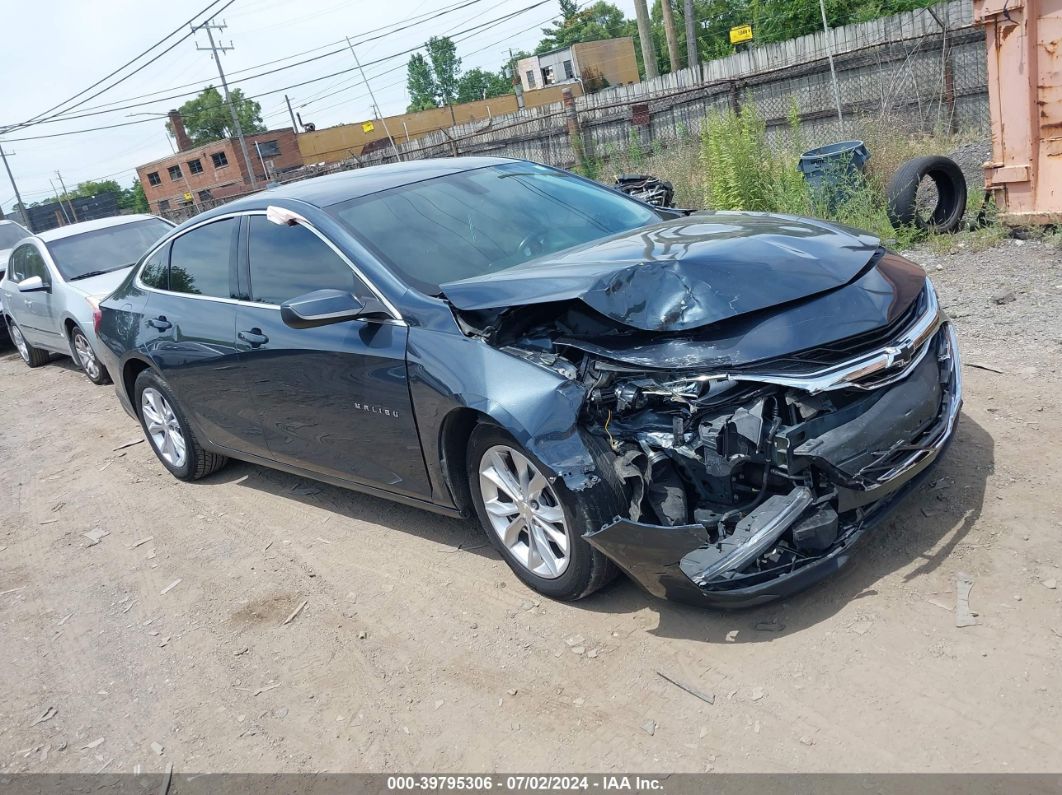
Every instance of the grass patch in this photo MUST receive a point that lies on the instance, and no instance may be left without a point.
(735, 164)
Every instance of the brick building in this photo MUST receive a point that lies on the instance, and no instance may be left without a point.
(197, 176)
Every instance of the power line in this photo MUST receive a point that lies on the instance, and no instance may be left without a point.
(170, 35)
(475, 28)
(382, 32)
(402, 66)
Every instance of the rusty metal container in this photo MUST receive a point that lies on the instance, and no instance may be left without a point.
(1024, 38)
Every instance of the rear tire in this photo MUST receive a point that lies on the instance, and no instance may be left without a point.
(578, 568)
(33, 357)
(85, 357)
(168, 431)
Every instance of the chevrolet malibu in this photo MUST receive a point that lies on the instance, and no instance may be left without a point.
(51, 291)
(719, 405)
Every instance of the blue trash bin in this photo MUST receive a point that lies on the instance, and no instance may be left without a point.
(833, 170)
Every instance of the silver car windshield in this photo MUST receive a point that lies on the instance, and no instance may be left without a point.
(105, 250)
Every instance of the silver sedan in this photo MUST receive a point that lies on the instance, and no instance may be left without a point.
(55, 280)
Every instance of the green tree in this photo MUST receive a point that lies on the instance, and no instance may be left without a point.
(420, 84)
(445, 67)
(432, 81)
(94, 188)
(206, 118)
(481, 84)
(602, 20)
(133, 199)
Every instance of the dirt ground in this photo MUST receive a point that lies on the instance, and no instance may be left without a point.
(413, 654)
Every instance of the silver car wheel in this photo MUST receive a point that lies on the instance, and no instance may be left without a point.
(86, 356)
(524, 511)
(163, 427)
(20, 342)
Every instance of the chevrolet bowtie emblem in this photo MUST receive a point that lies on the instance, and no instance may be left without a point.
(898, 354)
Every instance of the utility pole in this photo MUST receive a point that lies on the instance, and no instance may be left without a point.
(645, 36)
(518, 84)
(59, 201)
(66, 193)
(22, 210)
(829, 56)
(209, 26)
(693, 54)
(372, 96)
(291, 113)
(672, 36)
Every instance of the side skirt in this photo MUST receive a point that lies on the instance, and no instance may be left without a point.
(363, 488)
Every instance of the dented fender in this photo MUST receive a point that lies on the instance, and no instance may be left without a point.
(539, 407)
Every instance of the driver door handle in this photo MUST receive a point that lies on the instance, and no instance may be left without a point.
(253, 337)
(160, 323)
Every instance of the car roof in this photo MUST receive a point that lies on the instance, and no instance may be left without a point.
(345, 185)
(91, 226)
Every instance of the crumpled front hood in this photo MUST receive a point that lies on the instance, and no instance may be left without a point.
(685, 273)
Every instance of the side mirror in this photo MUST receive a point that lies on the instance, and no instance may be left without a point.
(34, 284)
(324, 307)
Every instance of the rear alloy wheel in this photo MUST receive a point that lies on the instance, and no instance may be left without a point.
(536, 523)
(30, 355)
(163, 428)
(86, 357)
(168, 431)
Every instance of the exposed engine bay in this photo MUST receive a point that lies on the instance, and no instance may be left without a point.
(758, 471)
(767, 390)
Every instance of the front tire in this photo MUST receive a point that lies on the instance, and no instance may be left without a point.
(168, 431)
(86, 357)
(536, 525)
(33, 357)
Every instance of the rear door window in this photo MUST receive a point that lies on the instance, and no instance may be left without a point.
(156, 272)
(289, 261)
(200, 260)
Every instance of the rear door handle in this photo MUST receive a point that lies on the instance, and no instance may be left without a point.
(253, 337)
(160, 323)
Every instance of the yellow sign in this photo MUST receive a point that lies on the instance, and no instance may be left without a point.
(740, 33)
(367, 127)
(188, 197)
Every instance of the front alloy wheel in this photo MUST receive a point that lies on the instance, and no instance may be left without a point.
(34, 357)
(524, 511)
(536, 523)
(163, 427)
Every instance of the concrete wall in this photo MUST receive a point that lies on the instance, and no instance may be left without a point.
(345, 141)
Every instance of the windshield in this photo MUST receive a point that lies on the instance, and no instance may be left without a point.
(11, 234)
(105, 250)
(475, 222)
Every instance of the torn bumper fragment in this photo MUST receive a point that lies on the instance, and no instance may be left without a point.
(848, 467)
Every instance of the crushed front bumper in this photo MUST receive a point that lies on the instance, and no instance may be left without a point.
(679, 562)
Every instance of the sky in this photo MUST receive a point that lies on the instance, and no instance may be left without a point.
(65, 46)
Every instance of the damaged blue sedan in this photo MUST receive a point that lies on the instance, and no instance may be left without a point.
(719, 405)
